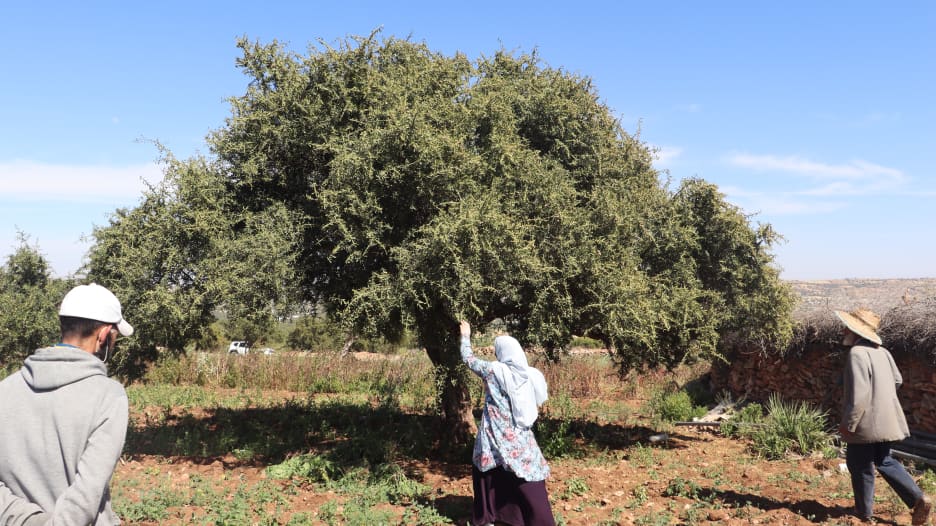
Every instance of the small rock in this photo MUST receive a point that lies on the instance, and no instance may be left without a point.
(717, 515)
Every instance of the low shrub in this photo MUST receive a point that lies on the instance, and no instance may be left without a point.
(675, 407)
(789, 428)
(744, 421)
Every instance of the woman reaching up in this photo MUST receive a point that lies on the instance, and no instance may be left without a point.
(509, 472)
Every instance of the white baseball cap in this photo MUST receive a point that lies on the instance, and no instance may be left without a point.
(94, 302)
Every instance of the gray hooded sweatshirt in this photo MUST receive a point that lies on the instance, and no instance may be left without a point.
(62, 428)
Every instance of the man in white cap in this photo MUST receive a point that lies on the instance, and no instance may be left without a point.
(63, 421)
(872, 418)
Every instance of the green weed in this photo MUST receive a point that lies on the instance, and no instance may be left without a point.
(575, 487)
(553, 430)
(791, 427)
(680, 487)
(310, 467)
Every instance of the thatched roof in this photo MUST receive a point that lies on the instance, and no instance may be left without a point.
(909, 328)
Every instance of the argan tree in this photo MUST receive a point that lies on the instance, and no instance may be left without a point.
(29, 300)
(401, 189)
(426, 188)
(185, 252)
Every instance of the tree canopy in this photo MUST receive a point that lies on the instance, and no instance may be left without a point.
(434, 187)
(403, 189)
(29, 300)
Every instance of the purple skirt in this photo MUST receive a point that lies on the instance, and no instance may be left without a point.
(501, 496)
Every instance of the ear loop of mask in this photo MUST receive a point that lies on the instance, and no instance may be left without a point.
(107, 346)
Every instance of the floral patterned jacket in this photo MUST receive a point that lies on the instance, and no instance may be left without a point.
(499, 442)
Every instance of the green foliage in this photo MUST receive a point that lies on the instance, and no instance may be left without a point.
(675, 407)
(584, 342)
(554, 429)
(494, 189)
(789, 427)
(210, 339)
(181, 254)
(575, 487)
(744, 421)
(314, 333)
(680, 487)
(310, 467)
(29, 300)
(928, 481)
(401, 190)
(396, 486)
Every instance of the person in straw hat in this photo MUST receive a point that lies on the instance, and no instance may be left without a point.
(872, 418)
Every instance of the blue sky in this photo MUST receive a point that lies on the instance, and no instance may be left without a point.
(816, 117)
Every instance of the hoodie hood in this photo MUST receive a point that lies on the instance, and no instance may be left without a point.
(54, 367)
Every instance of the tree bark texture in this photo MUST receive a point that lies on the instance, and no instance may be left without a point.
(458, 427)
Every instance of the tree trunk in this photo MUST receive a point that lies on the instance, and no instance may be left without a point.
(458, 427)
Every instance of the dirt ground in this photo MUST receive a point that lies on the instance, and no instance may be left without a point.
(692, 476)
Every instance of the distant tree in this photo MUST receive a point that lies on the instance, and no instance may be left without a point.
(185, 251)
(314, 333)
(29, 300)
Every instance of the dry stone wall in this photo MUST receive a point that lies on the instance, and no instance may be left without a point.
(815, 376)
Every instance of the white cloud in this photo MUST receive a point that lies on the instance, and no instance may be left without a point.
(29, 180)
(793, 205)
(857, 177)
(782, 203)
(857, 169)
(665, 154)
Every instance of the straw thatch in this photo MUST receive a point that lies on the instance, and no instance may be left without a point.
(911, 329)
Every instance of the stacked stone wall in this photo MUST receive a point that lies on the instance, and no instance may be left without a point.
(814, 376)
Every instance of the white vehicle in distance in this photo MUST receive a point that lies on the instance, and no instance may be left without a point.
(238, 347)
(267, 351)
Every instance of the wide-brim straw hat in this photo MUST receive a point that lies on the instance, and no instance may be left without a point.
(862, 322)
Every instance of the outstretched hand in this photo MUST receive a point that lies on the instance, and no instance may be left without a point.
(465, 329)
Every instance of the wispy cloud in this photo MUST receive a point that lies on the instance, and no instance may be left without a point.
(781, 203)
(811, 186)
(878, 117)
(666, 154)
(30, 180)
(857, 169)
(857, 177)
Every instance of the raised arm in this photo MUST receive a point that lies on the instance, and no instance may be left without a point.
(478, 366)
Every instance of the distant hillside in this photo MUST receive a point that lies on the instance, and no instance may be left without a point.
(879, 295)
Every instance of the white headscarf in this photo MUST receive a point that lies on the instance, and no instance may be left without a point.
(524, 385)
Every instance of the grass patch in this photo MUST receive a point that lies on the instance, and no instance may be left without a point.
(787, 428)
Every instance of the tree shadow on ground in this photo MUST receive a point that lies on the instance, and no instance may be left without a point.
(809, 509)
(346, 433)
(455, 507)
(343, 437)
(617, 436)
